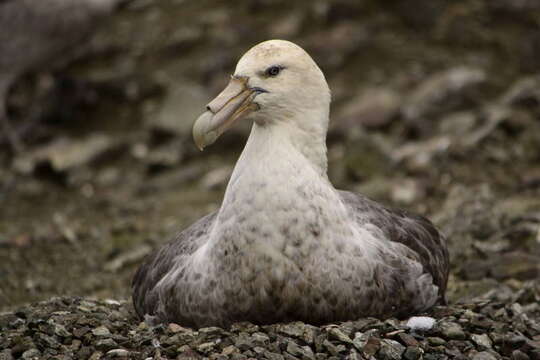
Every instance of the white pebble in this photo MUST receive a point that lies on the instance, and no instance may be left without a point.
(118, 353)
(420, 323)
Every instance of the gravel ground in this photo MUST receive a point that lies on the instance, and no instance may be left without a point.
(79, 328)
(435, 111)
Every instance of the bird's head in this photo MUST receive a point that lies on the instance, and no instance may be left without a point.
(275, 82)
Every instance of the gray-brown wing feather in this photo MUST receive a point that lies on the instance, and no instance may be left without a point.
(411, 230)
(158, 264)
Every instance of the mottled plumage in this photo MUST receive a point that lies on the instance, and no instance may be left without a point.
(285, 244)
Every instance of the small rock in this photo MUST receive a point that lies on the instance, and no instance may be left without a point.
(216, 177)
(273, 356)
(413, 353)
(6, 355)
(295, 329)
(442, 92)
(419, 155)
(243, 342)
(304, 352)
(333, 349)
(483, 355)
(519, 355)
(211, 331)
(101, 331)
(60, 330)
(482, 341)
(451, 330)
(96, 355)
(31, 354)
(420, 323)
(390, 350)
(523, 91)
(184, 102)
(408, 339)
(206, 348)
(118, 353)
(65, 154)
(105, 344)
(372, 346)
(372, 108)
(260, 338)
(175, 328)
(339, 335)
(406, 191)
(436, 341)
(228, 350)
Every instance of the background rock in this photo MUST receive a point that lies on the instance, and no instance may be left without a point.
(435, 109)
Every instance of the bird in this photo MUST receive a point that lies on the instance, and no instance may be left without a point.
(34, 34)
(285, 245)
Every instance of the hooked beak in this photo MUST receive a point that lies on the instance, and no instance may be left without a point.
(233, 103)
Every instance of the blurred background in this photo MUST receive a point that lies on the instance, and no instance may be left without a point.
(436, 109)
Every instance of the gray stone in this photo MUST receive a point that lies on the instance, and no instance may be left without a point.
(295, 329)
(372, 108)
(483, 355)
(65, 153)
(451, 330)
(118, 353)
(184, 102)
(333, 349)
(519, 355)
(273, 356)
(442, 92)
(260, 338)
(106, 344)
(6, 354)
(101, 331)
(31, 354)
(336, 334)
(482, 341)
(436, 341)
(206, 348)
(303, 352)
(413, 353)
(60, 330)
(390, 350)
(523, 90)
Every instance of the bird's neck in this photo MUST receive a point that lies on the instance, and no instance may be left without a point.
(283, 143)
(273, 180)
(278, 208)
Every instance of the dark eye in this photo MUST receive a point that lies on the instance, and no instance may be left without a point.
(273, 70)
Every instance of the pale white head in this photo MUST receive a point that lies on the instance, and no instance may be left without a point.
(276, 83)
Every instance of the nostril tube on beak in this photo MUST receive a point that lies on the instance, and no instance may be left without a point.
(259, 90)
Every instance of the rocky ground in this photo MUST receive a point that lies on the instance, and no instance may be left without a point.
(75, 328)
(436, 111)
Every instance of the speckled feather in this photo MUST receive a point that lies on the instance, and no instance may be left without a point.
(285, 244)
(425, 242)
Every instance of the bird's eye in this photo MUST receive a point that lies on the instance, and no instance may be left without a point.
(273, 70)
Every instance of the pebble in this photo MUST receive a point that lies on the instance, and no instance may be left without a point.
(451, 330)
(436, 341)
(118, 353)
(391, 350)
(101, 331)
(513, 333)
(483, 355)
(482, 341)
(413, 353)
